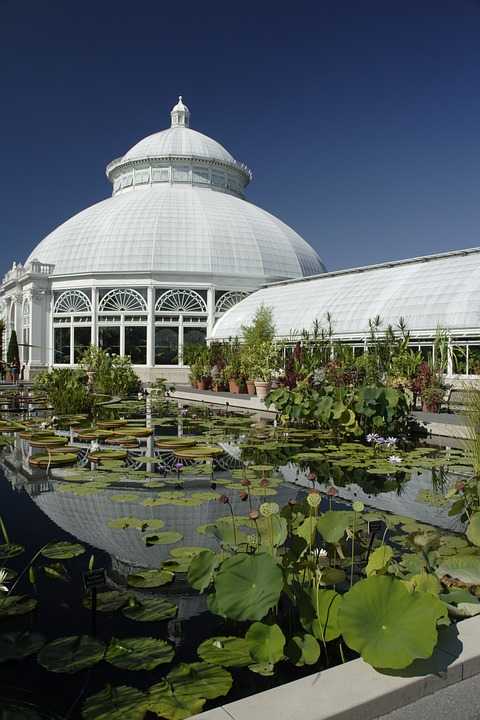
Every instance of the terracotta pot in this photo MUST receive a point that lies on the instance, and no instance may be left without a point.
(251, 387)
(233, 386)
(433, 407)
(262, 388)
(201, 384)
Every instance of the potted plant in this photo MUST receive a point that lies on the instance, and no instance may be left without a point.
(432, 397)
(265, 366)
(233, 372)
(247, 365)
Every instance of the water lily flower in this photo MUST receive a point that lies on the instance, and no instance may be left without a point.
(314, 499)
(223, 499)
(320, 552)
(94, 446)
(394, 460)
(243, 496)
(459, 486)
(264, 482)
(371, 437)
(178, 466)
(43, 426)
(311, 476)
(245, 482)
(3, 579)
(391, 441)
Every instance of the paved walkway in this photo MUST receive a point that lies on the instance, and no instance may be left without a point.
(455, 702)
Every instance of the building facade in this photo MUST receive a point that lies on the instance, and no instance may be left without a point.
(152, 268)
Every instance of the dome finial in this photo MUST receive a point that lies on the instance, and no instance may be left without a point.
(180, 114)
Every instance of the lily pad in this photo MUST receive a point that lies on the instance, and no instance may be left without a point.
(150, 609)
(143, 653)
(164, 703)
(202, 568)
(150, 578)
(265, 643)
(10, 550)
(108, 601)
(303, 650)
(115, 703)
(62, 550)
(465, 568)
(388, 625)
(164, 538)
(247, 586)
(192, 680)
(16, 605)
(19, 645)
(226, 651)
(71, 654)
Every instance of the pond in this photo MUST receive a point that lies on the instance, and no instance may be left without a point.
(143, 511)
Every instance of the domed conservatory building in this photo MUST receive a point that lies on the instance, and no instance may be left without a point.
(150, 269)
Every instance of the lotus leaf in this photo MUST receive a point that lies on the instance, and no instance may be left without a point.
(150, 578)
(465, 568)
(247, 586)
(473, 529)
(333, 524)
(325, 604)
(10, 550)
(115, 703)
(71, 654)
(226, 651)
(164, 703)
(109, 601)
(143, 653)
(150, 609)
(265, 643)
(388, 625)
(19, 645)
(308, 529)
(331, 576)
(199, 679)
(202, 568)
(164, 538)
(425, 582)
(62, 550)
(303, 650)
(16, 605)
(378, 560)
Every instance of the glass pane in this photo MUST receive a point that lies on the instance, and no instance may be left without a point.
(459, 356)
(62, 346)
(166, 346)
(426, 351)
(474, 360)
(136, 344)
(109, 339)
(82, 339)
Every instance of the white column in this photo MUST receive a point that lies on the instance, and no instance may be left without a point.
(449, 357)
(150, 326)
(94, 336)
(180, 340)
(122, 335)
(210, 310)
(51, 346)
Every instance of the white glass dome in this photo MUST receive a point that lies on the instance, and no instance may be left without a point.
(178, 207)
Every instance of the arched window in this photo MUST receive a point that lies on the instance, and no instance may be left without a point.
(73, 301)
(26, 320)
(181, 301)
(228, 300)
(123, 300)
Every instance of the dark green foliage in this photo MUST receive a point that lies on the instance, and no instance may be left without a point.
(12, 350)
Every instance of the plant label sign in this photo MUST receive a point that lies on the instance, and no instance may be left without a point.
(94, 579)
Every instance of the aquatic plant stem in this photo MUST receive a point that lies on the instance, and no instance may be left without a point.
(4, 531)
(26, 569)
(353, 546)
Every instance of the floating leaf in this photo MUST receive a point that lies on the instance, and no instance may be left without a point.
(202, 568)
(57, 571)
(115, 703)
(164, 703)
(19, 645)
(226, 651)
(71, 654)
(465, 568)
(16, 605)
(265, 642)
(247, 586)
(164, 538)
(303, 650)
(150, 578)
(424, 582)
(378, 560)
(10, 550)
(108, 601)
(143, 653)
(62, 550)
(150, 609)
(388, 625)
(473, 529)
(192, 680)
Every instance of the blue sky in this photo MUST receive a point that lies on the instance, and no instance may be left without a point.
(360, 121)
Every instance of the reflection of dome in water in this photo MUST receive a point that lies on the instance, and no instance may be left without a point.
(87, 519)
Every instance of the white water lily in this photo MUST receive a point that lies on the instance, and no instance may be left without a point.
(322, 552)
(94, 446)
(3, 578)
(391, 441)
(394, 460)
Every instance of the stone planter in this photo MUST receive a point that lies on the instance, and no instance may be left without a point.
(251, 387)
(262, 388)
(234, 386)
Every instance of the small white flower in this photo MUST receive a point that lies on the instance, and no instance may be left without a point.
(3, 578)
(43, 426)
(322, 552)
(94, 446)
(372, 437)
(394, 460)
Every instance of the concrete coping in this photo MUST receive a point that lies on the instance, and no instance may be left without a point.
(355, 691)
